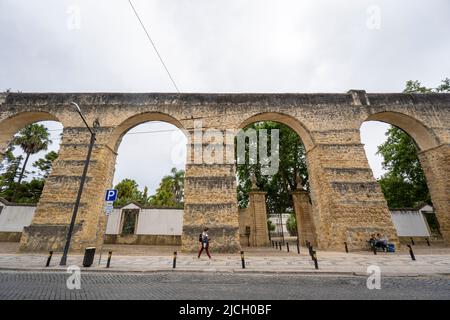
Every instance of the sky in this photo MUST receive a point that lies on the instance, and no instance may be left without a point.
(220, 46)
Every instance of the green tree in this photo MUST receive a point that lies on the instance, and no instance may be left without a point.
(10, 167)
(32, 139)
(127, 191)
(177, 177)
(291, 224)
(45, 164)
(25, 192)
(278, 186)
(170, 192)
(270, 226)
(404, 183)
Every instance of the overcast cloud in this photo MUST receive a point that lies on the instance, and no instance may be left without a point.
(221, 46)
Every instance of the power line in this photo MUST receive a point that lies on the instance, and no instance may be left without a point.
(154, 46)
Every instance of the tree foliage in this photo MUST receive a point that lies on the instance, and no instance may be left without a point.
(169, 193)
(404, 183)
(45, 164)
(31, 139)
(279, 186)
(291, 224)
(127, 191)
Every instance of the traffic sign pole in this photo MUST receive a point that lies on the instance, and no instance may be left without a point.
(110, 197)
(104, 237)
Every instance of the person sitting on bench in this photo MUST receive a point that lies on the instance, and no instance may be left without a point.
(381, 242)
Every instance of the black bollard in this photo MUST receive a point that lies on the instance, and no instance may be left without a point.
(174, 265)
(298, 248)
(412, 241)
(279, 245)
(316, 264)
(242, 259)
(287, 246)
(108, 262)
(346, 248)
(411, 253)
(50, 254)
(428, 242)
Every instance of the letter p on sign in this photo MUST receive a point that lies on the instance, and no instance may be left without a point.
(111, 195)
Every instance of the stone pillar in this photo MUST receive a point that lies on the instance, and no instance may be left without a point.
(210, 201)
(244, 222)
(304, 216)
(348, 205)
(259, 233)
(436, 166)
(48, 230)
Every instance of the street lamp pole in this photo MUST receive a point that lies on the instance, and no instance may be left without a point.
(80, 189)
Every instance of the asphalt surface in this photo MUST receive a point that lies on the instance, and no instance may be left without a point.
(19, 285)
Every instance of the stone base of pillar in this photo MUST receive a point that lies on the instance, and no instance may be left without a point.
(44, 238)
(259, 233)
(303, 214)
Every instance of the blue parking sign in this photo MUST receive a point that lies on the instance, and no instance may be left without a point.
(111, 195)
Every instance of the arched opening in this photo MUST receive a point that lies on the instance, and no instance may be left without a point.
(30, 145)
(420, 134)
(393, 142)
(149, 175)
(273, 181)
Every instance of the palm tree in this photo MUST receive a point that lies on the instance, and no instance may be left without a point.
(178, 184)
(32, 139)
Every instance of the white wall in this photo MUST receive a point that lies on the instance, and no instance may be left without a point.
(410, 224)
(14, 218)
(150, 221)
(113, 225)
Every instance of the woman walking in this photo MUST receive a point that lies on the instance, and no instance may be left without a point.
(204, 241)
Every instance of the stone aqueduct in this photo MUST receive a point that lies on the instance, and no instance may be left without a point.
(347, 203)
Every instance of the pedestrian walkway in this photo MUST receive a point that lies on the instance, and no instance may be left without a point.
(256, 260)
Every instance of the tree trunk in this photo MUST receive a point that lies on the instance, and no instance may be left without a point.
(23, 168)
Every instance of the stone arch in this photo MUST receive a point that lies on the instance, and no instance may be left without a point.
(304, 210)
(288, 120)
(10, 126)
(131, 122)
(420, 134)
(431, 153)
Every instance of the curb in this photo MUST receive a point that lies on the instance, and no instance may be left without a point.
(230, 271)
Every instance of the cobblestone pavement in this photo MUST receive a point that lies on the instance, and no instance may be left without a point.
(205, 286)
(329, 262)
(429, 260)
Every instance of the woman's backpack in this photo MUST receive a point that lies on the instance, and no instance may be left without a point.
(200, 238)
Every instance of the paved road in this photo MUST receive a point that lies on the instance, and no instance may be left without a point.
(175, 285)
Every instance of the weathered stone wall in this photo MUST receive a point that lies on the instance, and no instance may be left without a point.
(436, 165)
(245, 220)
(347, 203)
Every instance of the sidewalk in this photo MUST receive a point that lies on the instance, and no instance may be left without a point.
(264, 260)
